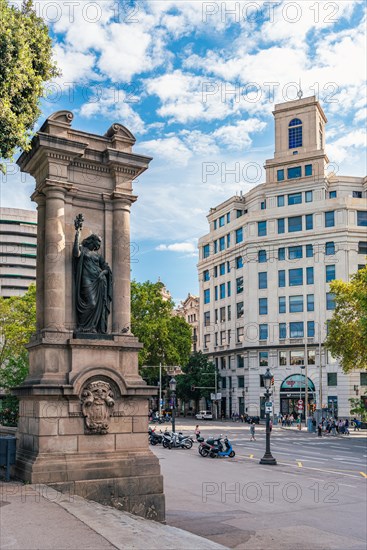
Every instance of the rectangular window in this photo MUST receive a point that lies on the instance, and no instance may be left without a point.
(310, 329)
(229, 289)
(295, 224)
(215, 271)
(281, 254)
(281, 225)
(309, 222)
(222, 291)
(294, 252)
(282, 358)
(263, 332)
(215, 293)
(239, 235)
(263, 205)
(263, 358)
(280, 200)
(282, 331)
(329, 273)
(239, 262)
(362, 247)
(222, 314)
(239, 213)
(206, 340)
(363, 378)
(311, 354)
(309, 250)
(295, 172)
(263, 279)
(263, 306)
(280, 175)
(222, 269)
(229, 313)
(330, 300)
(332, 378)
(221, 221)
(296, 329)
(357, 194)
(309, 275)
(216, 315)
(224, 383)
(295, 277)
(294, 198)
(206, 318)
(362, 218)
(207, 296)
(330, 219)
(295, 304)
(240, 362)
(281, 278)
(308, 170)
(310, 302)
(332, 195)
(222, 244)
(241, 381)
(206, 275)
(261, 229)
(215, 247)
(239, 307)
(239, 285)
(239, 334)
(330, 248)
(261, 255)
(228, 240)
(308, 196)
(228, 217)
(282, 308)
(206, 251)
(297, 357)
(215, 224)
(228, 267)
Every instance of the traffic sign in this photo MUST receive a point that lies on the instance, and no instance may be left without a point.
(268, 407)
(300, 402)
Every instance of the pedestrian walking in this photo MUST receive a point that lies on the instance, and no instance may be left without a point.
(252, 431)
(319, 429)
(356, 424)
(197, 431)
(346, 427)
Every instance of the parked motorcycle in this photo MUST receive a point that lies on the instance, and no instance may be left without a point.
(206, 446)
(176, 440)
(227, 451)
(155, 438)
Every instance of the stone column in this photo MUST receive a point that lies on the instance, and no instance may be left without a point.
(40, 199)
(54, 258)
(121, 261)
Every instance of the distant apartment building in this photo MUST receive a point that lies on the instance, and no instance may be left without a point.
(18, 246)
(189, 310)
(265, 270)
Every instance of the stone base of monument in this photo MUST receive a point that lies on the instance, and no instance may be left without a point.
(83, 423)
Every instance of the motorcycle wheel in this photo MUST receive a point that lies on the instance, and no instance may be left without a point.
(212, 455)
(188, 444)
(232, 454)
(153, 442)
(165, 444)
(204, 452)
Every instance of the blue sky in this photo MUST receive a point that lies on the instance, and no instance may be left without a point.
(196, 83)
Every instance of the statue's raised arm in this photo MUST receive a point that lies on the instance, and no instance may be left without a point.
(78, 224)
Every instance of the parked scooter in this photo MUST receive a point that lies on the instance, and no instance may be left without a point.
(155, 438)
(206, 446)
(215, 451)
(176, 440)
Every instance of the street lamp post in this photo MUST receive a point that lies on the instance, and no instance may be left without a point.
(268, 457)
(172, 387)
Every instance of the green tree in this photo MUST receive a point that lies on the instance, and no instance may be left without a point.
(25, 65)
(199, 371)
(166, 338)
(347, 334)
(358, 408)
(17, 324)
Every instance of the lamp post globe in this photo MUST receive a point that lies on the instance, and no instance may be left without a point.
(268, 457)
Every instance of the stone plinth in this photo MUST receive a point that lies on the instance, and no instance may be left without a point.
(84, 408)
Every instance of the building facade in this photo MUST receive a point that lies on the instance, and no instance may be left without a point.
(189, 310)
(18, 246)
(265, 267)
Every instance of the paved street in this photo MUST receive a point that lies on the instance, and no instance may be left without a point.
(314, 498)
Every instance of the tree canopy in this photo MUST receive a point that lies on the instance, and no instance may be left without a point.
(347, 334)
(199, 371)
(25, 65)
(166, 338)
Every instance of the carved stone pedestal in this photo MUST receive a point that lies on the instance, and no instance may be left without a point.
(84, 408)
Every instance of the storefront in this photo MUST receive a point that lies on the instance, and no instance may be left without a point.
(292, 390)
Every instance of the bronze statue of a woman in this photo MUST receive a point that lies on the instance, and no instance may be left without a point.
(93, 283)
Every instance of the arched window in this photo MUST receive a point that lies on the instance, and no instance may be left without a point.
(295, 133)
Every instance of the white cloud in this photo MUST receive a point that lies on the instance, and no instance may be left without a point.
(170, 149)
(237, 136)
(188, 247)
(347, 145)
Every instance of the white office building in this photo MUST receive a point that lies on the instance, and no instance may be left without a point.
(265, 267)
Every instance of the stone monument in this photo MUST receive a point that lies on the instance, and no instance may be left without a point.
(83, 407)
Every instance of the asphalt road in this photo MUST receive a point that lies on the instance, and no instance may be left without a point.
(315, 498)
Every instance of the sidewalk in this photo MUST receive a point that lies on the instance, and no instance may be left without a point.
(36, 517)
